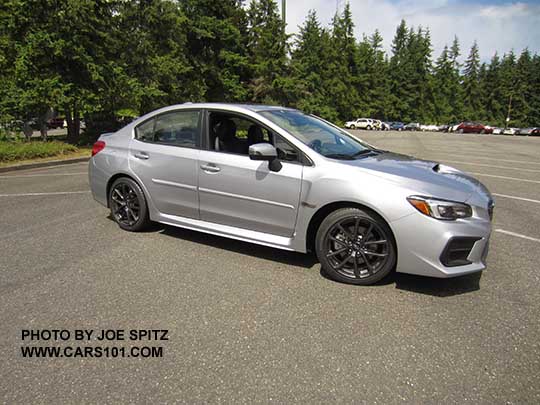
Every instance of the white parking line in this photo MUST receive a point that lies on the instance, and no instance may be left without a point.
(516, 198)
(504, 177)
(42, 175)
(44, 194)
(498, 167)
(517, 235)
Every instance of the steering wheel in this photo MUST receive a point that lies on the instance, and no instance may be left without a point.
(316, 145)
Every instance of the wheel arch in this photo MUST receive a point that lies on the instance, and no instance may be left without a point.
(325, 210)
(116, 177)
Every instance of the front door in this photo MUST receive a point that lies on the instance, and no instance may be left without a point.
(237, 191)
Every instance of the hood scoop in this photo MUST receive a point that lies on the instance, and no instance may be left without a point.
(438, 168)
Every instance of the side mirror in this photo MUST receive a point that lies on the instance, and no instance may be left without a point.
(265, 151)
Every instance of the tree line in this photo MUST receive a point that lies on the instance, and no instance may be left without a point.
(100, 59)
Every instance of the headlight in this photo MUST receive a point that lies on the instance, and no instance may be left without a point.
(440, 209)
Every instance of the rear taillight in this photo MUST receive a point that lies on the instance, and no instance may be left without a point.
(98, 147)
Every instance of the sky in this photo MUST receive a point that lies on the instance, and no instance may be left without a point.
(497, 25)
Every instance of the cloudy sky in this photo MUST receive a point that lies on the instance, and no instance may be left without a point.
(497, 25)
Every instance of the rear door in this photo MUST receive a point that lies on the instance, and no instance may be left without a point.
(164, 155)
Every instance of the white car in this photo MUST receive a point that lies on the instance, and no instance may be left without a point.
(361, 123)
(429, 128)
(511, 131)
(498, 131)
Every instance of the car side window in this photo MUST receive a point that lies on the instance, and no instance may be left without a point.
(286, 152)
(177, 128)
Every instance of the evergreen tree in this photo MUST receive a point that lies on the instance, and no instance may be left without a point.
(217, 49)
(343, 67)
(310, 59)
(442, 87)
(456, 90)
(471, 84)
(268, 49)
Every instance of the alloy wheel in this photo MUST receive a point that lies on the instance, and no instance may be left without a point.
(356, 247)
(125, 204)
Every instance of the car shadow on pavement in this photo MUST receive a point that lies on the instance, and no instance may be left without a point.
(438, 287)
(244, 248)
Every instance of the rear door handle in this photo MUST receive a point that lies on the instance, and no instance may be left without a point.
(211, 168)
(141, 155)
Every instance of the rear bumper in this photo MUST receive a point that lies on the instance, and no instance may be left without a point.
(97, 179)
(422, 242)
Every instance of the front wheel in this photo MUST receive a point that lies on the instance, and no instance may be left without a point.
(128, 205)
(355, 247)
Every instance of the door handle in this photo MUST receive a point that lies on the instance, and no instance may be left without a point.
(141, 155)
(211, 168)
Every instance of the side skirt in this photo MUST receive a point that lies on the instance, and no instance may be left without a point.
(260, 238)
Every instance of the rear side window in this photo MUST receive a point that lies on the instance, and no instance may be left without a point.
(176, 128)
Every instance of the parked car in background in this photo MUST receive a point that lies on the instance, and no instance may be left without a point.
(376, 124)
(528, 131)
(55, 123)
(498, 131)
(385, 126)
(296, 183)
(430, 127)
(511, 131)
(412, 126)
(361, 123)
(397, 126)
(473, 128)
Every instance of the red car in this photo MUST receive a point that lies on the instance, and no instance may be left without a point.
(473, 128)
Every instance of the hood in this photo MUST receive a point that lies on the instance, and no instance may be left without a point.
(424, 177)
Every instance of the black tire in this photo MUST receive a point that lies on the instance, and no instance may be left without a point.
(353, 126)
(128, 205)
(342, 241)
(368, 128)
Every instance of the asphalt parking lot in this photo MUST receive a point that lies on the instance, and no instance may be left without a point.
(252, 324)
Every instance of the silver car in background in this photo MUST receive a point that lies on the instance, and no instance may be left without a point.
(279, 177)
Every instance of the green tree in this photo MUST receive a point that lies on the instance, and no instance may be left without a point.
(217, 49)
(472, 95)
(267, 50)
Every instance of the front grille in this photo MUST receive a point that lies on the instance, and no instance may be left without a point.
(457, 250)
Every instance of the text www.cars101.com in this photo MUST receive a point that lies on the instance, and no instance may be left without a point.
(91, 351)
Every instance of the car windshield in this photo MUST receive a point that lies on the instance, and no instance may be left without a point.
(319, 135)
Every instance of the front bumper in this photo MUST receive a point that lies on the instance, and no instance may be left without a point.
(421, 242)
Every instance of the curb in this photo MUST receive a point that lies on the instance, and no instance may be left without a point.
(43, 164)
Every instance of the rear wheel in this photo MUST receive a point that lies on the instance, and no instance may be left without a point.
(355, 247)
(368, 128)
(128, 205)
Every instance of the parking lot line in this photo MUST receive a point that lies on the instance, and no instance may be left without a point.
(44, 194)
(517, 235)
(42, 175)
(504, 177)
(495, 166)
(516, 198)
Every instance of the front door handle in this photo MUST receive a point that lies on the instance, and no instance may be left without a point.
(211, 168)
(141, 155)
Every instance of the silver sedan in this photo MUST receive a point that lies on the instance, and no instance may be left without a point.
(279, 177)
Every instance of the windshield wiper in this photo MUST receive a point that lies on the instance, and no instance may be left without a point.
(342, 156)
(367, 152)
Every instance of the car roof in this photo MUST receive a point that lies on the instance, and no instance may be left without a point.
(251, 107)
